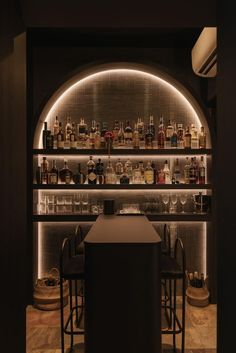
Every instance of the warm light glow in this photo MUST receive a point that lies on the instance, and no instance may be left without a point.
(62, 94)
(40, 250)
(204, 248)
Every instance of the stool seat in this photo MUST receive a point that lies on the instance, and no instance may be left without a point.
(170, 269)
(74, 268)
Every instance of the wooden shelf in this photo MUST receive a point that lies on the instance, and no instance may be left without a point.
(121, 151)
(121, 187)
(152, 217)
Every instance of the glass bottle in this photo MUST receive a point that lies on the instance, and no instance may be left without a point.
(149, 174)
(65, 174)
(202, 172)
(192, 172)
(68, 130)
(110, 176)
(97, 138)
(79, 177)
(92, 176)
(167, 173)
(100, 172)
(81, 132)
(187, 138)
(180, 136)
(186, 171)
(128, 135)
(115, 131)
(53, 174)
(73, 139)
(154, 172)
(121, 140)
(47, 138)
(141, 167)
(92, 135)
(44, 170)
(176, 172)
(103, 132)
(136, 137)
(140, 127)
(124, 179)
(149, 137)
(55, 132)
(194, 137)
(202, 138)
(60, 137)
(174, 137)
(137, 176)
(169, 133)
(119, 169)
(152, 127)
(128, 168)
(161, 176)
(161, 134)
(38, 175)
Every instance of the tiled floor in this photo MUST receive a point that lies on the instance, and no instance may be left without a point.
(43, 331)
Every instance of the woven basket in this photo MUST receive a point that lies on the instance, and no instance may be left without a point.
(197, 296)
(47, 291)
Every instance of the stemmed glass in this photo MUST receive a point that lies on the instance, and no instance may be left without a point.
(173, 199)
(165, 200)
(183, 200)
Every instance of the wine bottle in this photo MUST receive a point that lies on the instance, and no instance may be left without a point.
(79, 177)
(53, 174)
(65, 174)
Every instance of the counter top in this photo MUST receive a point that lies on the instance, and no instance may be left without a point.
(122, 229)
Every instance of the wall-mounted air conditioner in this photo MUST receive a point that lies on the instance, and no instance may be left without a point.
(204, 57)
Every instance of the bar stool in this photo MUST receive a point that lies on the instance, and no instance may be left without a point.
(71, 269)
(172, 271)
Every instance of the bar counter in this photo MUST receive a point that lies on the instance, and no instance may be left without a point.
(122, 286)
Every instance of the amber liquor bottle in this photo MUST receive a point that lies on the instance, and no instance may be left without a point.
(53, 174)
(79, 177)
(65, 174)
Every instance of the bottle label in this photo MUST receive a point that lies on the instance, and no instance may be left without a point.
(149, 176)
(60, 143)
(53, 178)
(92, 176)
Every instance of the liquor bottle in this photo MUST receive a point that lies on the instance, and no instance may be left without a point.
(169, 133)
(119, 169)
(161, 134)
(186, 171)
(140, 127)
(128, 168)
(60, 138)
(115, 131)
(196, 166)
(81, 132)
(194, 137)
(47, 137)
(92, 135)
(180, 136)
(55, 132)
(192, 172)
(73, 139)
(137, 176)
(65, 174)
(167, 173)
(174, 137)
(110, 176)
(44, 170)
(149, 174)
(92, 176)
(38, 175)
(149, 137)
(100, 172)
(202, 138)
(176, 173)
(152, 126)
(97, 138)
(103, 132)
(141, 167)
(161, 176)
(128, 135)
(121, 140)
(154, 172)
(202, 172)
(68, 130)
(187, 139)
(136, 137)
(79, 177)
(124, 179)
(53, 174)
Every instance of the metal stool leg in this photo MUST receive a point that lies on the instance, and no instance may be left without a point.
(183, 314)
(62, 316)
(174, 318)
(71, 318)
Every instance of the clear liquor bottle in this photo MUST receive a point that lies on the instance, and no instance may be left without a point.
(119, 169)
(194, 137)
(180, 136)
(92, 176)
(141, 167)
(167, 173)
(115, 131)
(97, 138)
(149, 174)
(121, 141)
(169, 133)
(65, 174)
(136, 137)
(110, 176)
(137, 176)
(161, 134)
(53, 174)
(187, 139)
(202, 138)
(81, 132)
(202, 171)
(73, 139)
(55, 132)
(176, 172)
(186, 171)
(68, 130)
(140, 127)
(128, 168)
